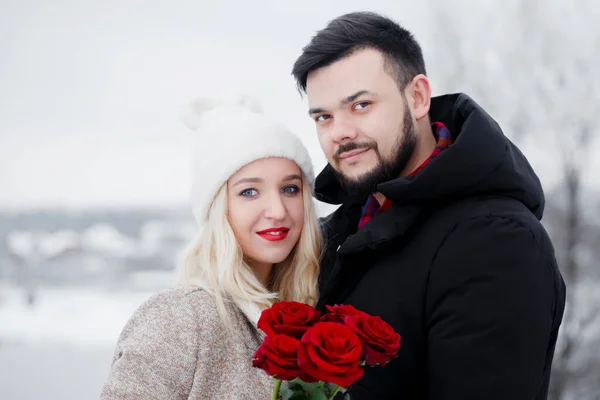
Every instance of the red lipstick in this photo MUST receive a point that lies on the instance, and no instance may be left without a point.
(274, 234)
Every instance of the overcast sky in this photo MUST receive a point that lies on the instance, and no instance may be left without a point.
(90, 91)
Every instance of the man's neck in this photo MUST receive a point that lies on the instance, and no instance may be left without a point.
(425, 145)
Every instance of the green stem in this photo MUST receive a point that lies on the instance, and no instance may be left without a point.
(337, 389)
(276, 390)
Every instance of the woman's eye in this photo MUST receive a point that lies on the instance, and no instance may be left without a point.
(360, 106)
(248, 193)
(292, 189)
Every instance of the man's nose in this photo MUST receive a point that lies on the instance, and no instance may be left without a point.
(343, 131)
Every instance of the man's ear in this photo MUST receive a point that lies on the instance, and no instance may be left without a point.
(418, 96)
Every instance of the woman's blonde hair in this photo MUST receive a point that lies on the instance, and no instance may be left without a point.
(214, 261)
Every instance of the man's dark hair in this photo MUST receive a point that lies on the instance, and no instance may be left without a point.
(360, 30)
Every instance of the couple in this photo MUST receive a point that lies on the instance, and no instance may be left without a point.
(438, 233)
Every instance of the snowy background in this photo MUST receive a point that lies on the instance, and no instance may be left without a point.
(94, 162)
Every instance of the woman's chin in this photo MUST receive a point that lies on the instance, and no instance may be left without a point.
(272, 256)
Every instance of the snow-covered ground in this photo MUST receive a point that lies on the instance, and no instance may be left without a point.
(52, 371)
(82, 316)
(61, 347)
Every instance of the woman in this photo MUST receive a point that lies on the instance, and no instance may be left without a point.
(258, 242)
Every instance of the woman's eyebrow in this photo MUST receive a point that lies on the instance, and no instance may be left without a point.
(247, 180)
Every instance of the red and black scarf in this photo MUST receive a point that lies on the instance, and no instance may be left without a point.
(372, 207)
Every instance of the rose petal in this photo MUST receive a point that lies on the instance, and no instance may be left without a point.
(331, 352)
(278, 356)
(380, 340)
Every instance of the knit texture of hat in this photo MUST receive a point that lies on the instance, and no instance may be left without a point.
(230, 135)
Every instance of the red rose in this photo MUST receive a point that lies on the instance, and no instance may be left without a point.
(380, 340)
(332, 318)
(289, 318)
(331, 352)
(338, 313)
(278, 357)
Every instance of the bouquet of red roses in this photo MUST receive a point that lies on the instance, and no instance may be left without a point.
(318, 355)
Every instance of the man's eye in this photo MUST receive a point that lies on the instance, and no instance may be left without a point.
(322, 118)
(362, 105)
(248, 193)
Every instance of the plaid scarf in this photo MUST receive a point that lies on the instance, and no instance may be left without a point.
(372, 207)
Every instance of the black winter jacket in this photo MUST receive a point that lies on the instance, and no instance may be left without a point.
(460, 266)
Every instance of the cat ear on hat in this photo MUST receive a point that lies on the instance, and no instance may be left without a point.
(250, 103)
(192, 113)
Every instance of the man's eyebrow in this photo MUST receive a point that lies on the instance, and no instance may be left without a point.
(315, 110)
(346, 100)
(355, 96)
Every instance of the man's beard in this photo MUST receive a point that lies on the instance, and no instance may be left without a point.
(385, 170)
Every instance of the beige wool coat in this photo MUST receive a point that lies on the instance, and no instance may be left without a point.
(175, 346)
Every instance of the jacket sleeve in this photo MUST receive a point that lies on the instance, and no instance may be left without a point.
(490, 308)
(157, 354)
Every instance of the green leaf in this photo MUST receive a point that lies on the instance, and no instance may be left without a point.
(285, 392)
(318, 395)
(290, 391)
(308, 387)
(299, 396)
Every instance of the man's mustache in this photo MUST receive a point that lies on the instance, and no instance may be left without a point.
(345, 147)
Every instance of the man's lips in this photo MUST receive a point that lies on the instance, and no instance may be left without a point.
(352, 153)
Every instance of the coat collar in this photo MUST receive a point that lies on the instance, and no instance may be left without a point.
(250, 310)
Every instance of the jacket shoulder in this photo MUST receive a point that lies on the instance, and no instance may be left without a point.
(184, 311)
(493, 207)
(182, 299)
(444, 220)
(161, 344)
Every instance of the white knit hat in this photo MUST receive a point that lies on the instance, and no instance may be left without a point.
(229, 135)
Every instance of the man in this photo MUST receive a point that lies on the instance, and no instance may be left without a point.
(439, 227)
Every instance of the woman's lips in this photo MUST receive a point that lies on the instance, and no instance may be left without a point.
(274, 234)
